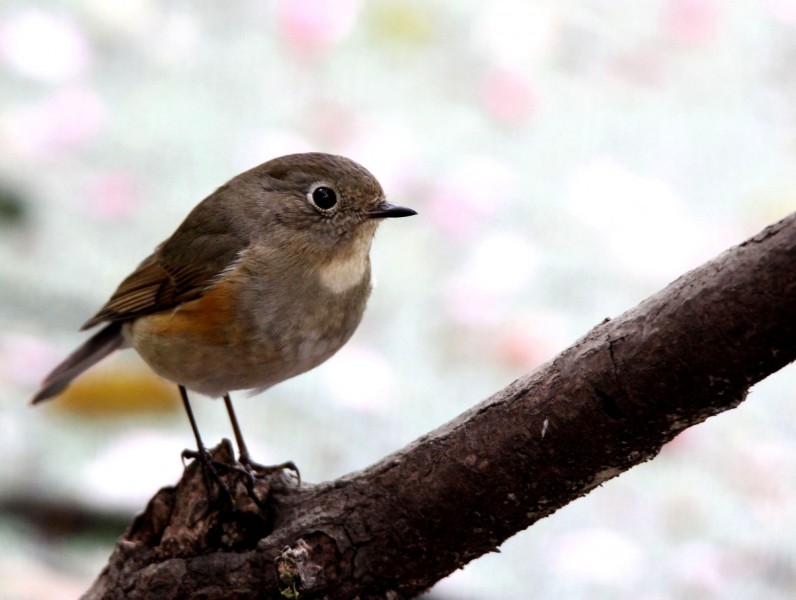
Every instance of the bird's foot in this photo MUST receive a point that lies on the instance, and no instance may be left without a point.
(209, 470)
(258, 470)
(245, 468)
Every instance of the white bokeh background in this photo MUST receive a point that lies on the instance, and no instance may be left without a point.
(567, 160)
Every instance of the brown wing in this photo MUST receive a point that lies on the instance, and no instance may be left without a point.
(181, 269)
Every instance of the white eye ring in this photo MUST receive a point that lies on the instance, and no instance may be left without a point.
(323, 197)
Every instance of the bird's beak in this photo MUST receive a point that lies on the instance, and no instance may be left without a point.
(390, 211)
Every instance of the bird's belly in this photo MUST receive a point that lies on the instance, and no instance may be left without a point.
(228, 351)
(215, 369)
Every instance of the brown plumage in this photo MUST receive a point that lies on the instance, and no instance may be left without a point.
(266, 278)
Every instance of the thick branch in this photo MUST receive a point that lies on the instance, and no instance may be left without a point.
(605, 404)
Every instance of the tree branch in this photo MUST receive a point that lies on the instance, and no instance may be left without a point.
(390, 531)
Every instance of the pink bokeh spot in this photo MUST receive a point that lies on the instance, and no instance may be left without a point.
(691, 21)
(784, 10)
(469, 195)
(531, 339)
(68, 119)
(26, 359)
(112, 196)
(312, 25)
(508, 96)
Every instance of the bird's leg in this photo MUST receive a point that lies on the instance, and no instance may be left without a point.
(208, 470)
(243, 451)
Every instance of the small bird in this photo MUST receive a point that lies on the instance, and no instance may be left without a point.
(265, 279)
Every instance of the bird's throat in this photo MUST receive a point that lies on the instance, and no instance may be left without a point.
(347, 271)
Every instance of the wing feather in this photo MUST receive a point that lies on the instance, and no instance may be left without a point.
(181, 269)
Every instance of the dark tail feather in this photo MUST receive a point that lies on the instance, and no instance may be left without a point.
(100, 345)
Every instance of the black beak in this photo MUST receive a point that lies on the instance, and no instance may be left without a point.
(390, 211)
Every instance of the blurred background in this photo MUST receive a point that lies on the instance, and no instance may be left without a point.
(567, 160)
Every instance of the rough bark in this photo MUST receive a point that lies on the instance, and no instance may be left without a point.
(390, 531)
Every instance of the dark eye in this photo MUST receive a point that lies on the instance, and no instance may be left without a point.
(324, 197)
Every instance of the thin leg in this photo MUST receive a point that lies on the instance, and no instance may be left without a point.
(245, 458)
(202, 454)
(184, 394)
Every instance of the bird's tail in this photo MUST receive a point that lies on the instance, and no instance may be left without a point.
(100, 345)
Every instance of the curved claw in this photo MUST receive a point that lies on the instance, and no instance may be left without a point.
(209, 472)
(261, 470)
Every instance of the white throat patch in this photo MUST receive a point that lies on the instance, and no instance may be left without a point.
(341, 274)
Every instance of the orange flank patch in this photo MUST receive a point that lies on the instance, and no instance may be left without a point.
(211, 319)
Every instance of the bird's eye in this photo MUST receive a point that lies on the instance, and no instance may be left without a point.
(324, 197)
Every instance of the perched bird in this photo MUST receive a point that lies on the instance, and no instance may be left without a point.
(265, 279)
